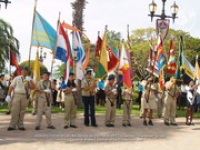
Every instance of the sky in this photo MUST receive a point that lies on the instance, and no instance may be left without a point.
(98, 13)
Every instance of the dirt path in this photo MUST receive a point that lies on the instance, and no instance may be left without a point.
(89, 138)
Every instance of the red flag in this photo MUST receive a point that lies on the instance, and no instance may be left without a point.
(161, 79)
(171, 68)
(98, 47)
(14, 62)
(113, 61)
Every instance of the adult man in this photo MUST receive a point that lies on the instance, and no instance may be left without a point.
(88, 90)
(111, 95)
(169, 111)
(44, 88)
(20, 87)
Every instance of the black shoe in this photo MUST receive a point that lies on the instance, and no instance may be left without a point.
(150, 123)
(87, 125)
(174, 124)
(65, 127)
(129, 125)
(124, 125)
(37, 128)
(22, 129)
(8, 113)
(95, 125)
(112, 125)
(166, 123)
(145, 123)
(107, 125)
(51, 127)
(10, 129)
(73, 126)
(34, 114)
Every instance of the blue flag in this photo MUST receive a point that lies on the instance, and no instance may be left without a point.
(43, 34)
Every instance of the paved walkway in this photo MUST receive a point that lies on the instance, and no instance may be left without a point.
(137, 137)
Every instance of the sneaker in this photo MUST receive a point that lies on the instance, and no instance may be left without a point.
(37, 128)
(22, 129)
(73, 126)
(10, 129)
(145, 123)
(65, 127)
(150, 123)
(51, 127)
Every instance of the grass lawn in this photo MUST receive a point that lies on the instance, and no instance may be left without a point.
(101, 110)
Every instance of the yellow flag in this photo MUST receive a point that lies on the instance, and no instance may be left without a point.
(197, 68)
(36, 69)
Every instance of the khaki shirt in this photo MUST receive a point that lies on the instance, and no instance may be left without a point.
(86, 83)
(126, 94)
(173, 91)
(19, 84)
(108, 87)
(42, 85)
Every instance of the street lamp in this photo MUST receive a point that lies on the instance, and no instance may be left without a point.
(6, 2)
(42, 56)
(153, 7)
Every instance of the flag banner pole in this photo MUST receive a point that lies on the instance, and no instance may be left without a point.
(9, 56)
(34, 10)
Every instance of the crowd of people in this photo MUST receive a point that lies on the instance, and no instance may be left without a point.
(109, 93)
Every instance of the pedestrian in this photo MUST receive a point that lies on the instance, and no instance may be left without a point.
(140, 89)
(20, 87)
(190, 103)
(148, 100)
(44, 89)
(169, 111)
(88, 86)
(55, 92)
(127, 96)
(3, 88)
(100, 96)
(182, 99)
(111, 95)
(60, 95)
(70, 102)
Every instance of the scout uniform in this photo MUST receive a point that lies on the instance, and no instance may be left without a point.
(88, 99)
(44, 103)
(70, 105)
(110, 103)
(169, 111)
(127, 107)
(19, 102)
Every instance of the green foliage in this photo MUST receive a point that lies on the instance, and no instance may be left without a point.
(7, 42)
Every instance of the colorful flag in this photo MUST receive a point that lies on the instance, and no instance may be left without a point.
(102, 66)
(63, 50)
(14, 62)
(81, 56)
(36, 70)
(152, 67)
(171, 68)
(43, 34)
(113, 60)
(178, 74)
(160, 56)
(197, 68)
(124, 67)
(98, 47)
(161, 80)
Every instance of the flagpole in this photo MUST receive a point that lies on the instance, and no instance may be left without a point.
(9, 57)
(34, 10)
(53, 53)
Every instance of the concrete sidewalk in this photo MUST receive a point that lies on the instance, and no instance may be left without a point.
(85, 138)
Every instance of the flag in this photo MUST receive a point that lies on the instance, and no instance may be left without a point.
(161, 80)
(160, 56)
(36, 70)
(184, 70)
(152, 67)
(129, 55)
(124, 67)
(63, 50)
(42, 33)
(81, 56)
(197, 68)
(171, 68)
(102, 66)
(14, 62)
(113, 60)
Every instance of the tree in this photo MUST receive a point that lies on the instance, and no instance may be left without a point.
(78, 6)
(113, 39)
(7, 42)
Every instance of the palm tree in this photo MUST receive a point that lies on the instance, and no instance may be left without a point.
(7, 42)
(78, 6)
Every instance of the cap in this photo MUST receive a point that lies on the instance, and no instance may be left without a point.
(88, 70)
(24, 68)
(71, 74)
(111, 76)
(45, 72)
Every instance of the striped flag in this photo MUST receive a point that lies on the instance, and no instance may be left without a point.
(171, 67)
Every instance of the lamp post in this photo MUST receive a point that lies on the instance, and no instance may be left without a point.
(6, 2)
(42, 55)
(153, 7)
